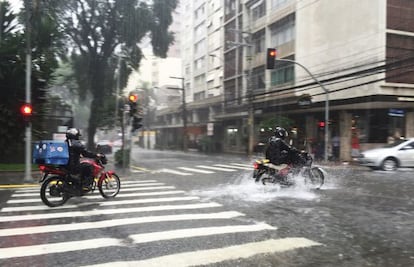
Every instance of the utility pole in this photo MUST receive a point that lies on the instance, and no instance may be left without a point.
(249, 89)
(28, 130)
(185, 137)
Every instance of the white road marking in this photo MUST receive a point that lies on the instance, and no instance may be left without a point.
(234, 167)
(159, 193)
(174, 172)
(137, 181)
(216, 168)
(26, 251)
(38, 208)
(195, 232)
(194, 170)
(243, 165)
(109, 203)
(106, 212)
(116, 222)
(141, 184)
(147, 200)
(211, 256)
(146, 188)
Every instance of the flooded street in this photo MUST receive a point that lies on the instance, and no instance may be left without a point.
(362, 218)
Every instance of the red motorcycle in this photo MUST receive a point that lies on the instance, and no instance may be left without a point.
(58, 185)
(300, 166)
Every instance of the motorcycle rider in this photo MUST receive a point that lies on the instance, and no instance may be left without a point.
(278, 151)
(82, 171)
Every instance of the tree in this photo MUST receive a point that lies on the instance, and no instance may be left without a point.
(97, 28)
(12, 73)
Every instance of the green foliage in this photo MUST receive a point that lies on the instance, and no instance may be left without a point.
(96, 29)
(13, 72)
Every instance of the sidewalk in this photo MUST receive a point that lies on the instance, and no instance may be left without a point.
(17, 178)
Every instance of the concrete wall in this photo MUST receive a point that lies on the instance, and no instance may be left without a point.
(333, 35)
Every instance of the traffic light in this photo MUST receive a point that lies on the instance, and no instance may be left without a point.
(136, 123)
(27, 111)
(321, 124)
(270, 58)
(133, 103)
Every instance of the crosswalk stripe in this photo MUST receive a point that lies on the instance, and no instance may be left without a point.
(146, 188)
(25, 251)
(128, 187)
(142, 184)
(216, 168)
(37, 208)
(116, 222)
(148, 200)
(194, 170)
(137, 181)
(120, 195)
(106, 212)
(174, 172)
(195, 232)
(211, 256)
(234, 167)
(243, 165)
(109, 203)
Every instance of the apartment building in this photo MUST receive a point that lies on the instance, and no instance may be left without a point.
(362, 53)
(201, 41)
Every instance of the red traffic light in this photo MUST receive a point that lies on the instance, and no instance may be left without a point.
(26, 110)
(321, 124)
(133, 98)
(270, 58)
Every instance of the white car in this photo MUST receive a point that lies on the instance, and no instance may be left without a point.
(390, 157)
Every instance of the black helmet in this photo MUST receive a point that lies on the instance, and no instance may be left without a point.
(280, 132)
(73, 133)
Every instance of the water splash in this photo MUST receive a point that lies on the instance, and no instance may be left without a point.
(246, 190)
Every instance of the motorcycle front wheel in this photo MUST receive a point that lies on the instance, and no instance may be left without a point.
(315, 177)
(52, 192)
(109, 185)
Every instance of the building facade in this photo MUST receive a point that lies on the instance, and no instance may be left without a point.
(362, 53)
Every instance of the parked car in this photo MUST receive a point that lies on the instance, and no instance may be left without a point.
(390, 157)
(104, 146)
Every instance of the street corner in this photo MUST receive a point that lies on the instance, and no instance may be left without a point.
(9, 180)
(13, 186)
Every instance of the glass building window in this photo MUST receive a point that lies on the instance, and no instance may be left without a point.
(285, 74)
(283, 31)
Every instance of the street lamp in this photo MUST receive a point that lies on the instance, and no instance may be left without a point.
(185, 147)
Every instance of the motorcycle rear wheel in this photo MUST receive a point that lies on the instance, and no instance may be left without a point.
(315, 177)
(109, 186)
(52, 191)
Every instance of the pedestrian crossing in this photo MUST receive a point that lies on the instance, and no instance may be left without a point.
(206, 169)
(145, 212)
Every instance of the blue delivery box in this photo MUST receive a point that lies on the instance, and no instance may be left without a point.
(54, 152)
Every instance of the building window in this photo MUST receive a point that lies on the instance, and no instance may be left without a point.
(275, 4)
(284, 74)
(258, 10)
(283, 31)
(230, 7)
(260, 41)
(258, 78)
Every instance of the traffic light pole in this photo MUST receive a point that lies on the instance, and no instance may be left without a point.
(326, 103)
(185, 138)
(28, 128)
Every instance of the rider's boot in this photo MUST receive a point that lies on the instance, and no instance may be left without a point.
(75, 186)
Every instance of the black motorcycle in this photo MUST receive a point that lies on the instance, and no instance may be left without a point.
(300, 165)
